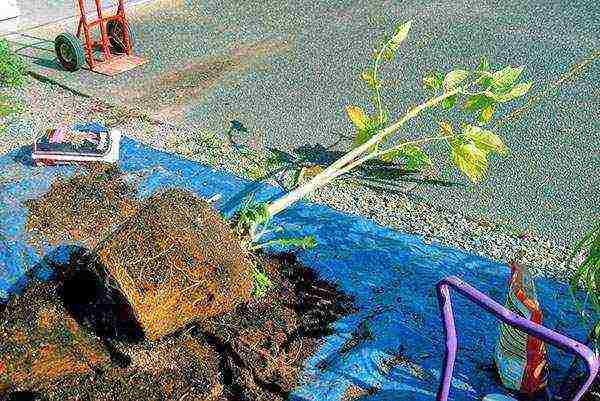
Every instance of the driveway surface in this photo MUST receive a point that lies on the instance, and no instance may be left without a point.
(287, 69)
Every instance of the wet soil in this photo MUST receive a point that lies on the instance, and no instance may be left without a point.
(74, 338)
(83, 335)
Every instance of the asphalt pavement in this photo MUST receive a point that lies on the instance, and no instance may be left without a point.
(287, 69)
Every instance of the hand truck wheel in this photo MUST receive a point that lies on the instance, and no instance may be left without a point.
(69, 51)
(116, 36)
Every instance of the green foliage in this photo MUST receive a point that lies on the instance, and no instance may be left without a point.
(469, 150)
(504, 79)
(506, 95)
(485, 140)
(484, 65)
(588, 277)
(481, 89)
(251, 214)
(388, 51)
(262, 283)
(12, 67)
(478, 102)
(12, 74)
(414, 157)
(449, 102)
(306, 242)
(8, 106)
(433, 82)
(366, 126)
(400, 35)
(369, 77)
(469, 159)
(453, 79)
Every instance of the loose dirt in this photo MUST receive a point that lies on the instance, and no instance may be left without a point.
(157, 307)
(74, 338)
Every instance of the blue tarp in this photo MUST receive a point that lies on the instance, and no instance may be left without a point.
(391, 276)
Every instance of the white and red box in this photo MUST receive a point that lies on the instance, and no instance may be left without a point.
(88, 142)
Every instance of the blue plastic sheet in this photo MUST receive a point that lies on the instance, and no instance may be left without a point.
(390, 275)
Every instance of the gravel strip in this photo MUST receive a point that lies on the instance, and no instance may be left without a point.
(49, 105)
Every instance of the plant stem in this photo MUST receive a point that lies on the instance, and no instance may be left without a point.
(377, 94)
(332, 171)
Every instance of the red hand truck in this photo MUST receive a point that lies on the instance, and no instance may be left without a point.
(115, 44)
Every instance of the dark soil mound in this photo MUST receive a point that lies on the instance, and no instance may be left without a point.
(82, 208)
(51, 346)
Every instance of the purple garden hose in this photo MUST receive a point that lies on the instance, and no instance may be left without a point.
(511, 319)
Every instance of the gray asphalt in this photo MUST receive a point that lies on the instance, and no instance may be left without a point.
(288, 69)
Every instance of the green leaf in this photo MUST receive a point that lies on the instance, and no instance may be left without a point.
(485, 140)
(363, 136)
(517, 91)
(471, 160)
(369, 77)
(12, 67)
(504, 79)
(388, 54)
(400, 35)
(306, 242)
(485, 79)
(433, 81)
(454, 78)
(414, 156)
(520, 90)
(486, 114)
(484, 64)
(478, 102)
(261, 283)
(252, 213)
(449, 102)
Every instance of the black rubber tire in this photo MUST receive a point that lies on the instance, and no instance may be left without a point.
(116, 36)
(69, 51)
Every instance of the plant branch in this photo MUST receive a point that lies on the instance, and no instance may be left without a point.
(332, 171)
(377, 93)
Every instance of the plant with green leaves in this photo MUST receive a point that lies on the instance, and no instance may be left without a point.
(262, 283)
(253, 223)
(8, 106)
(480, 91)
(588, 277)
(12, 67)
(252, 215)
(12, 75)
